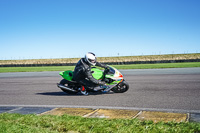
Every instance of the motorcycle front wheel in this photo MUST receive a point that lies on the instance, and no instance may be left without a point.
(121, 87)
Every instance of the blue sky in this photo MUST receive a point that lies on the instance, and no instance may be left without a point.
(34, 29)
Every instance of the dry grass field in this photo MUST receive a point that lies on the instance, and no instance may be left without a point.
(106, 59)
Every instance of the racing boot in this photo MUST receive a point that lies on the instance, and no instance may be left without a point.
(83, 91)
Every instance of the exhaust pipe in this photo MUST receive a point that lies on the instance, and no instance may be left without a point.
(65, 88)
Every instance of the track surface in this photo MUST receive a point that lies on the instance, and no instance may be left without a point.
(160, 89)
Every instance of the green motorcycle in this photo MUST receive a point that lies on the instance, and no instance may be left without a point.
(114, 81)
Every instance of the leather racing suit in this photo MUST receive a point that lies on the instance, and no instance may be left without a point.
(82, 74)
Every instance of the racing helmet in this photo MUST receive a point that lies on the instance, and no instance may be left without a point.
(90, 58)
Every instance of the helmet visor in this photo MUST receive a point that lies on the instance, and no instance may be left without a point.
(92, 61)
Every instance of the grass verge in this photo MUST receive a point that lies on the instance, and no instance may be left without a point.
(158, 65)
(10, 123)
(132, 66)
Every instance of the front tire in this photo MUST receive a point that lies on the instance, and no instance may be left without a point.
(121, 87)
(65, 83)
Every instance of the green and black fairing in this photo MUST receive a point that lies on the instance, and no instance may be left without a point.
(96, 73)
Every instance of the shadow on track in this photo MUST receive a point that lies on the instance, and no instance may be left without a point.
(65, 94)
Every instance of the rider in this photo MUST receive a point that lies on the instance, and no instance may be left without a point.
(83, 74)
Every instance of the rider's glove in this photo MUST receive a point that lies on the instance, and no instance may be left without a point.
(107, 69)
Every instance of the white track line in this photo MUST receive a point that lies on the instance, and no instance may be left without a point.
(18, 108)
(107, 107)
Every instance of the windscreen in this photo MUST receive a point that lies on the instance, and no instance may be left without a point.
(111, 71)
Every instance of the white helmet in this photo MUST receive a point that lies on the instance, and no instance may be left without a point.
(90, 58)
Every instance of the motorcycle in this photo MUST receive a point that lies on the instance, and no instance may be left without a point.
(114, 81)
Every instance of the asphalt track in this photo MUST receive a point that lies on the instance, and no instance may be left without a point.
(174, 90)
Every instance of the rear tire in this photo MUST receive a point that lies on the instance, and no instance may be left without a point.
(65, 83)
(121, 87)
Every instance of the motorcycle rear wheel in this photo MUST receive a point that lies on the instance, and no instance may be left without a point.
(121, 87)
(65, 83)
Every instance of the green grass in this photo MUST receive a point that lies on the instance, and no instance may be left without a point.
(158, 65)
(132, 66)
(35, 69)
(17, 123)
